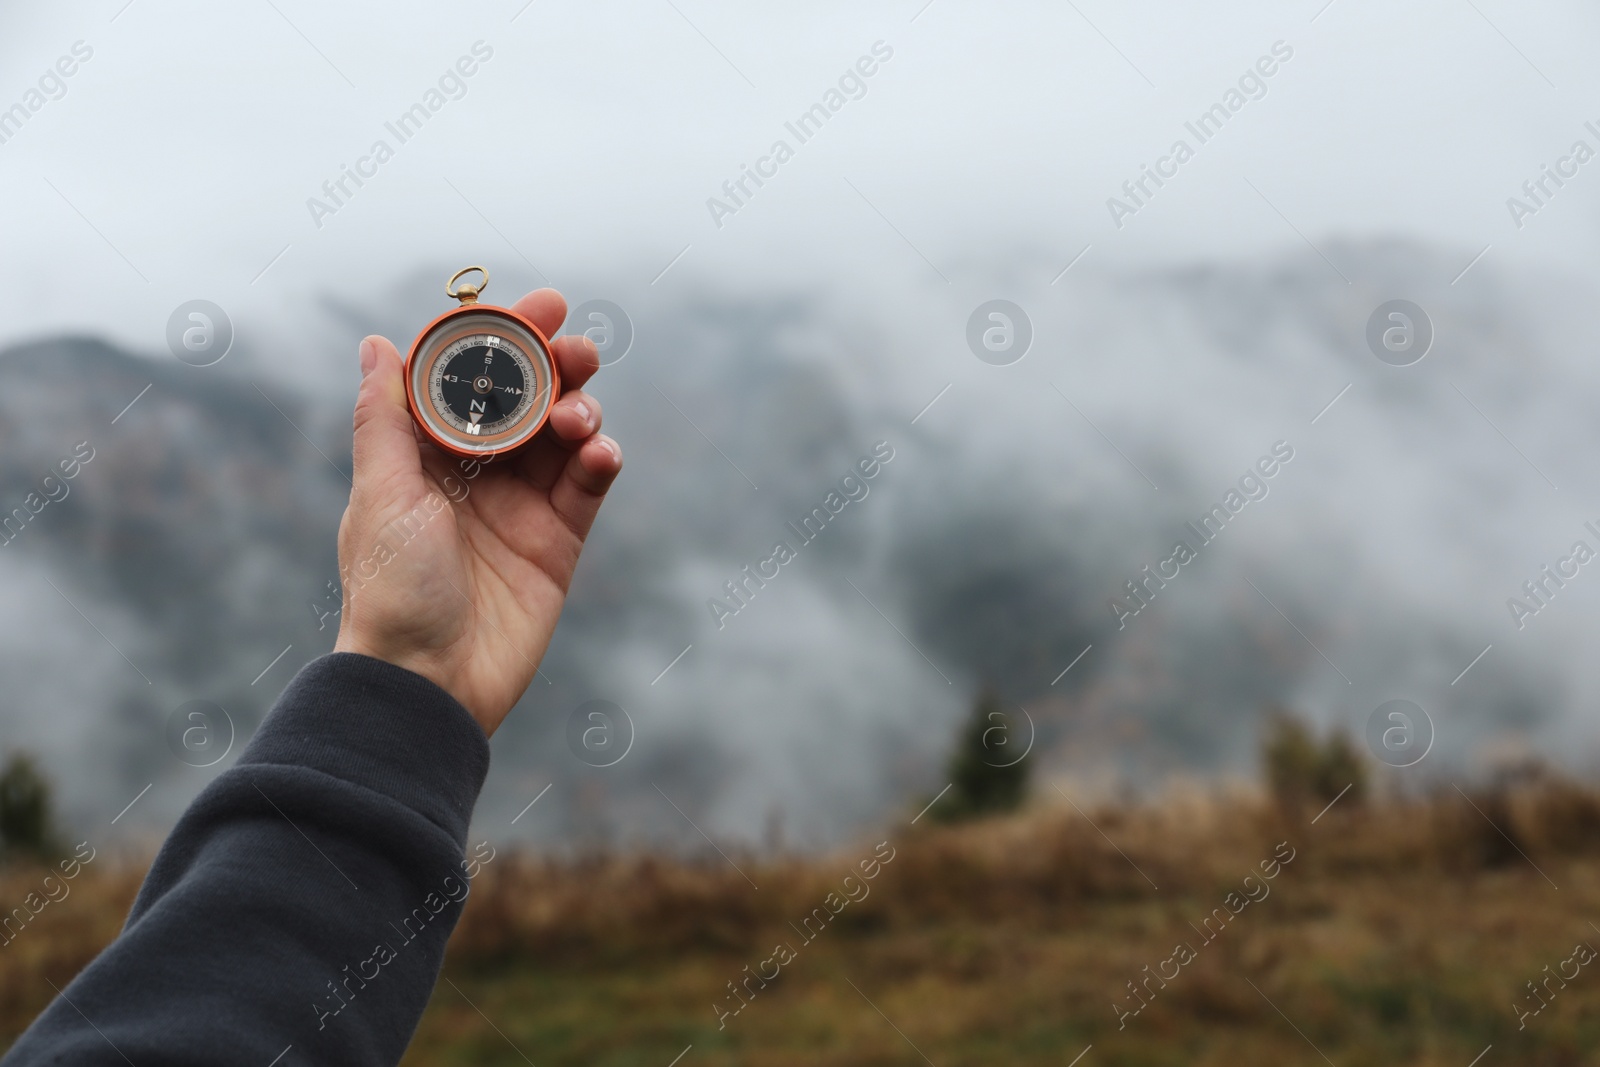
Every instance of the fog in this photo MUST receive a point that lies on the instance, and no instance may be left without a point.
(778, 339)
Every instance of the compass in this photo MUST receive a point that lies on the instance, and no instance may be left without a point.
(480, 379)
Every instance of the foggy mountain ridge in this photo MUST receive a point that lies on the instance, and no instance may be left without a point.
(204, 528)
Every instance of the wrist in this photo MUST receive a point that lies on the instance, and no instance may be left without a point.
(426, 666)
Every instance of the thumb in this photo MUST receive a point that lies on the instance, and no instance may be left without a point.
(385, 446)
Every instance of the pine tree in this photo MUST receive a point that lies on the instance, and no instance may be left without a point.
(988, 773)
(26, 821)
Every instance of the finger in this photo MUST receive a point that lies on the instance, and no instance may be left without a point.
(577, 357)
(544, 460)
(545, 308)
(575, 417)
(385, 444)
(578, 493)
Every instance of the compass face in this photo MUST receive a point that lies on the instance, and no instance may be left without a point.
(480, 382)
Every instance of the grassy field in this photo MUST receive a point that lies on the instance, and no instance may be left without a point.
(1396, 933)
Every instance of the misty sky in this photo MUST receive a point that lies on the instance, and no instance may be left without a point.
(592, 139)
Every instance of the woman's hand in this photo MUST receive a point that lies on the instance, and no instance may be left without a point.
(457, 570)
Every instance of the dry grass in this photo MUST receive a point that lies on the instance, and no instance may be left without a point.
(63, 937)
(1400, 933)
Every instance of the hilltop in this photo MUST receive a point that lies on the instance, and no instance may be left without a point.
(1400, 932)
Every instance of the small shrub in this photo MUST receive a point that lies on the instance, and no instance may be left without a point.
(1302, 770)
(988, 773)
(26, 822)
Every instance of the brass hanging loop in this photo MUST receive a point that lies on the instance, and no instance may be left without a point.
(467, 294)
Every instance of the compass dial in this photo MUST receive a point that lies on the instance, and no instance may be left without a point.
(481, 381)
(482, 384)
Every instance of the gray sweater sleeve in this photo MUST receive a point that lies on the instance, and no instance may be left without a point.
(298, 913)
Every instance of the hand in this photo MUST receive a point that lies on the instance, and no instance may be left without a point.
(457, 570)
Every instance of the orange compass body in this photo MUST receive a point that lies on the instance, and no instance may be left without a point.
(480, 380)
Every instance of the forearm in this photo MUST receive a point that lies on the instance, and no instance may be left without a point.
(306, 896)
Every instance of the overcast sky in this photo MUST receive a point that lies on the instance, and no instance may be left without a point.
(180, 160)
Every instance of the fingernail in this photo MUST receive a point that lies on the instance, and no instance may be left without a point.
(583, 412)
(369, 357)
